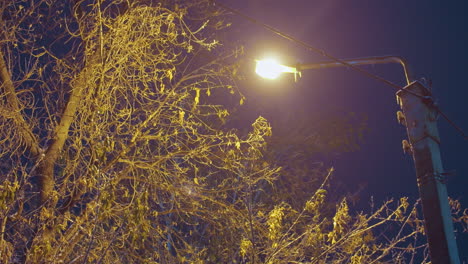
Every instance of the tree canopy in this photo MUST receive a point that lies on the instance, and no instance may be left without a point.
(114, 151)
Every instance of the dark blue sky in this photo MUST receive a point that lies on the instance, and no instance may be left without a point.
(431, 35)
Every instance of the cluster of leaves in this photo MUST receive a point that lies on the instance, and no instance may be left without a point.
(394, 233)
(111, 151)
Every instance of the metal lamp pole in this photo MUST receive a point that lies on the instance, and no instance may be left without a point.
(420, 118)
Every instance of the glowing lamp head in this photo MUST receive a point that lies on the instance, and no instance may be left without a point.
(271, 69)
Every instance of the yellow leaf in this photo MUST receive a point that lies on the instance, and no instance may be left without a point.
(241, 102)
(208, 92)
(181, 116)
(238, 145)
(197, 95)
(169, 74)
(196, 181)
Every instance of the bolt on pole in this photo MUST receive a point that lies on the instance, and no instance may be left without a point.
(421, 125)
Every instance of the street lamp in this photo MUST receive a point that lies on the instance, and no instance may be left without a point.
(271, 69)
(420, 118)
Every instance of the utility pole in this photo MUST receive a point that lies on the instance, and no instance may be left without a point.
(420, 118)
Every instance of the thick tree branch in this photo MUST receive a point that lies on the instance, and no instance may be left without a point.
(46, 178)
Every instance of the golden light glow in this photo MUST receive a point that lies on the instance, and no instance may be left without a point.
(271, 69)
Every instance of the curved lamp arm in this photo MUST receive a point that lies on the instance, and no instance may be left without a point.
(361, 61)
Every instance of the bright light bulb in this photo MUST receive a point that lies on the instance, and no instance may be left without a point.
(271, 69)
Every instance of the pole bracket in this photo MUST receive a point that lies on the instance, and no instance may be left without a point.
(441, 177)
(426, 135)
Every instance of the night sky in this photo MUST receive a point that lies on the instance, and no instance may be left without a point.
(431, 35)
